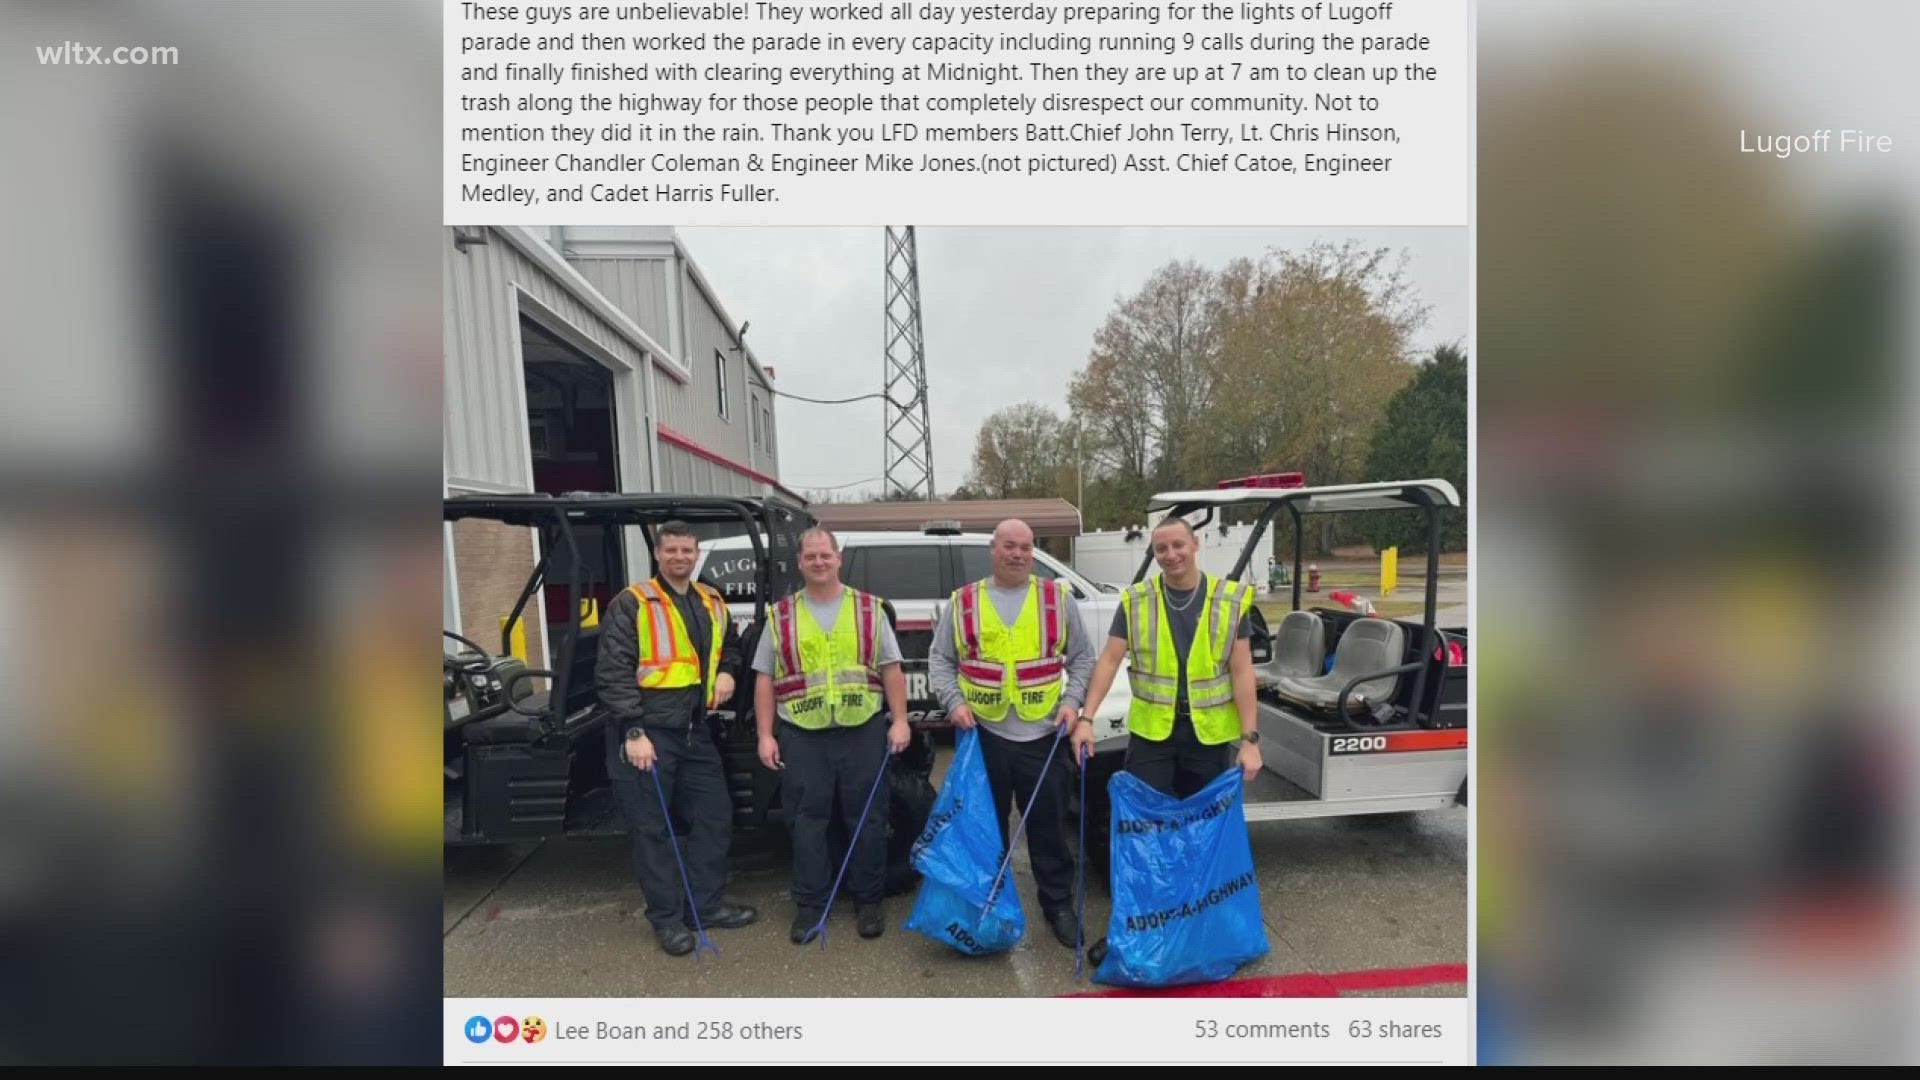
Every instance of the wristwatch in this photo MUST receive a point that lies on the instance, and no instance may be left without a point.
(636, 732)
(1250, 736)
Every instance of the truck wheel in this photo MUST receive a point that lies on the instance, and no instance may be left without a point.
(1100, 850)
(910, 802)
(1099, 824)
(741, 762)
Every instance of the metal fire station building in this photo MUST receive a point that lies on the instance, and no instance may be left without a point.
(586, 359)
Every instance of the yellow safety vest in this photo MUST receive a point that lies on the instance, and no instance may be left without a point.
(1024, 668)
(667, 659)
(822, 679)
(1154, 671)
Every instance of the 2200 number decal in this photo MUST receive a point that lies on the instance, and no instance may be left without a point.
(1358, 744)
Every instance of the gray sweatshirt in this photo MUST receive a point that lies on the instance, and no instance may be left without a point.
(943, 663)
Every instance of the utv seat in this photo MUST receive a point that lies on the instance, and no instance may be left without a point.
(1299, 647)
(507, 727)
(1369, 645)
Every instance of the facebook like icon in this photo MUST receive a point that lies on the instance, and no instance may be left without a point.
(479, 1030)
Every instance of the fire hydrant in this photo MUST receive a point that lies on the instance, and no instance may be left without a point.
(1313, 577)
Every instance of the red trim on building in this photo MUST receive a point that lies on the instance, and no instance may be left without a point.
(668, 435)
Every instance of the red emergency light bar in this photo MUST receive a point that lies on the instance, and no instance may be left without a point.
(1266, 480)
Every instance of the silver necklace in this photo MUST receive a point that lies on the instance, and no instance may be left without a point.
(1192, 595)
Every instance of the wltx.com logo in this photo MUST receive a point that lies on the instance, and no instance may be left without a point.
(504, 1029)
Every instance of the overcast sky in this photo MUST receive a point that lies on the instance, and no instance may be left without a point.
(1008, 315)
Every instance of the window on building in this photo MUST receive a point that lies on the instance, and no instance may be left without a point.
(766, 428)
(720, 381)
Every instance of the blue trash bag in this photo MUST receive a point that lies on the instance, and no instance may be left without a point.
(958, 855)
(1186, 903)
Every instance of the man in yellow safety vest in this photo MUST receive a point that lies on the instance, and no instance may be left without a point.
(1011, 656)
(667, 653)
(1188, 638)
(824, 660)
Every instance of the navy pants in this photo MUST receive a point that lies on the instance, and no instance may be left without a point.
(695, 781)
(828, 776)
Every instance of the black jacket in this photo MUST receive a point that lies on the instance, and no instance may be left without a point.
(615, 669)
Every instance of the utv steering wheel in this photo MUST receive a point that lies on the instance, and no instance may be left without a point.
(470, 667)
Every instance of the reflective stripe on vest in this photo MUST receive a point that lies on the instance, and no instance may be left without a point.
(1022, 668)
(825, 678)
(786, 649)
(666, 654)
(1218, 690)
(1154, 668)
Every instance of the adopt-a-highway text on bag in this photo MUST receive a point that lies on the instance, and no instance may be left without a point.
(959, 855)
(1186, 903)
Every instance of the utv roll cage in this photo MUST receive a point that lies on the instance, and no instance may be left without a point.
(772, 523)
(1428, 496)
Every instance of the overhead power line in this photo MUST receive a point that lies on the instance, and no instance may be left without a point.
(839, 401)
(837, 487)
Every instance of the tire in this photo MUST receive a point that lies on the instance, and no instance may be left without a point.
(740, 758)
(1100, 849)
(1099, 822)
(759, 838)
(909, 803)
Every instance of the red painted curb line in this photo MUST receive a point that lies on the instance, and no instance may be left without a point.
(1305, 984)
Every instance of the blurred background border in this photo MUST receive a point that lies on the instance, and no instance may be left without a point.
(219, 534)
(1696, 489)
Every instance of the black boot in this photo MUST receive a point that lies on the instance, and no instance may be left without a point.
(730, 917)
(803, 926)
(1066, 928)
(676, 940)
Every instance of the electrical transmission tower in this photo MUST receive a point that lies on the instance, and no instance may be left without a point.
(909, 438)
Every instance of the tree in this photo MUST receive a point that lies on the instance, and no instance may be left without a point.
(1424, 434)
(1115, 501)
(1149, 383)
(1020, 453)
(1284, 363)
(1314, 344)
